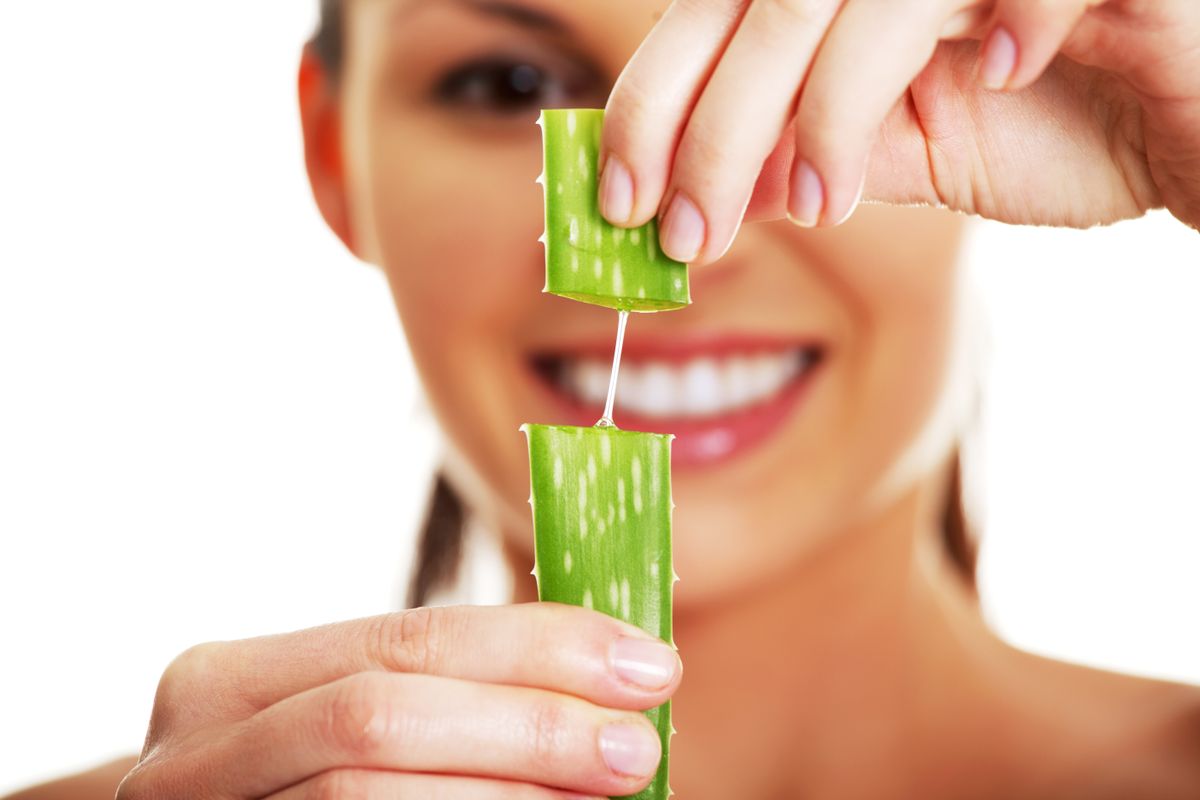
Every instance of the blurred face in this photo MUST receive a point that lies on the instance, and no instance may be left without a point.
(806, 368)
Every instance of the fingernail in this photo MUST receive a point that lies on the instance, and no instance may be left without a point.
(645, 663)
(630, 749)
(807, 196)
(683, 230)
(862, 185)
(616, 191)
(998, 59)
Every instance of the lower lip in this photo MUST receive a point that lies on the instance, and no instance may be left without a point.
(704, 441)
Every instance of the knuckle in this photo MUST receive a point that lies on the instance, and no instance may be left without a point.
(410, 641)
(360, 718)
(181, 684)
(147, 780)
(342, 784)
(629, 121)
(722, 10)
(798, 13)
(704, 154)
(547, 731)
(133, 786)
(192, 663)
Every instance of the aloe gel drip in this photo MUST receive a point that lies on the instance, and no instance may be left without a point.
(606, 421)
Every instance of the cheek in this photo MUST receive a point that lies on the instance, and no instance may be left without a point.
(901, 273)
(891, 276)
(458, 230)
(457, 227)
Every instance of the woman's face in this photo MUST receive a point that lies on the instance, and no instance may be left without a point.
(807, 366)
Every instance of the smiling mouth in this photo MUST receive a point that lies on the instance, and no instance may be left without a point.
(695, 388)
(718, 397)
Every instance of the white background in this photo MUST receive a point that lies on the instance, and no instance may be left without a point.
(209, 426)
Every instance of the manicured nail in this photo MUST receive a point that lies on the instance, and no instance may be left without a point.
(683, 230)
(616, 191)
(998, 60)
(644, 663)
(862, 185)
(630, 749)
(806, 199)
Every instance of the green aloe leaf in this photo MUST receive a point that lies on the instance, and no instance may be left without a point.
(588, 259)
(601, 501)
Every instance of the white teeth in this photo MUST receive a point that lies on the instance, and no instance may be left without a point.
(659, 393)
(698, 388)
(703, 389)
(738, 382)
(590, 381)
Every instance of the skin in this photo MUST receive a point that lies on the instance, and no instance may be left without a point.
(822, 626)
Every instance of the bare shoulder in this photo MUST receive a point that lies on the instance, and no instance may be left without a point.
(97, 784)
(1140, 737)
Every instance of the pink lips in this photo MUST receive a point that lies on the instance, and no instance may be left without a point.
(700, 441)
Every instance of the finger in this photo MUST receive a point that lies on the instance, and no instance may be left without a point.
(870, 55)
(548, 645)
(424, 723)
(365, 784)
(736, 124)
(650, 102)
(1024, 38)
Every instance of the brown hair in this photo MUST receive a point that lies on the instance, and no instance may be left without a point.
(439, 548)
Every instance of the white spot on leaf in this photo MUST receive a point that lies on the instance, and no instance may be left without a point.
(655, 473)
(567, 561)
(599, 266)
(573, 230)
(635, 475)
(635, 236)
(654, 570)
(558, 472)
(571, 123)
(614, 595)
(591, 468)
(625, 598)
(587, 599)
(606, 450)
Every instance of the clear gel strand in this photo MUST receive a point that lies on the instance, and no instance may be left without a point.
(607, 420)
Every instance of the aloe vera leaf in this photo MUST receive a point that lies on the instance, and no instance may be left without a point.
(588, 259)
(601, 501)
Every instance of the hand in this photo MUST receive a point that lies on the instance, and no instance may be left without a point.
(1071, 112)
(529, 701)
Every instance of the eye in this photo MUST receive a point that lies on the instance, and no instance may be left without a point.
(503, 86)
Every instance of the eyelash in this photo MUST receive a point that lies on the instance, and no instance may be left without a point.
(505, 86)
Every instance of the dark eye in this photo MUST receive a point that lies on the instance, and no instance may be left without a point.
(503, 86)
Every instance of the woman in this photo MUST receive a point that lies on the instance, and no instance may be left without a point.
(833, 643)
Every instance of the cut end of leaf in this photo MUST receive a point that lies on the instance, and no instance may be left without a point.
(588, 259)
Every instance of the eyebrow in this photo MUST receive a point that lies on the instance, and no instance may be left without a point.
(503, 9)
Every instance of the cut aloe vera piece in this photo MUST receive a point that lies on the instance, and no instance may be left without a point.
(602, 506)
(588, 259)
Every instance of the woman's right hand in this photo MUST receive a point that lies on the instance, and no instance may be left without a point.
(530, 701)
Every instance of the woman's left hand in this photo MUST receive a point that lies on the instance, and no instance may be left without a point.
(1070, 112)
